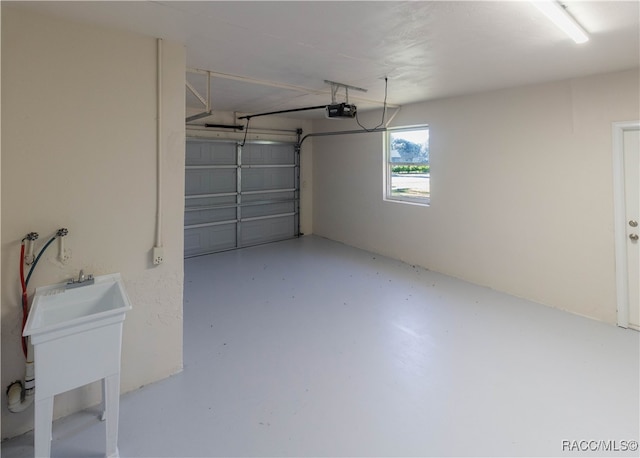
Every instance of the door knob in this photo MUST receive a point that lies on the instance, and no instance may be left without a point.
(633, 236)
(633, 223)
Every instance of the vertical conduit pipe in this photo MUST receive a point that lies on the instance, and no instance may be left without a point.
(158, 241)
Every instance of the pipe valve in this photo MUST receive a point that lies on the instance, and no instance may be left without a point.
(30, 258)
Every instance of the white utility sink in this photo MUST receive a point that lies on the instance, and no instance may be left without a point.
(58, 310)
(76, 334)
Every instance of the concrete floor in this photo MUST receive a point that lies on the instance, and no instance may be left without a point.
(312, 348)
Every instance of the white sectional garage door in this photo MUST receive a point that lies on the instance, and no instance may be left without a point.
(238, 196)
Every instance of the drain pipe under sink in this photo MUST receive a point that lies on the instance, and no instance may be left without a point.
(21, 397)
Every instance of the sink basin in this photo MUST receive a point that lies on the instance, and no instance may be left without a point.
(58, 311)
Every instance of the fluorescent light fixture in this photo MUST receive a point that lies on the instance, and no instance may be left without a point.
(557, 14)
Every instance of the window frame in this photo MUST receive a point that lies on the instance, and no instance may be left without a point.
(388, 165)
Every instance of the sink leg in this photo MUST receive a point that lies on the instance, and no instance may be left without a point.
(42, 427)
(111, 390)
(103, 414)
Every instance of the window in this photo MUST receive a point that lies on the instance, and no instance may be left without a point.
(407, 164)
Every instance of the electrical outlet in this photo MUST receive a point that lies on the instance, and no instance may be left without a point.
(158, 255)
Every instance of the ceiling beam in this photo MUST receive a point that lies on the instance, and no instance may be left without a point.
(274, 84)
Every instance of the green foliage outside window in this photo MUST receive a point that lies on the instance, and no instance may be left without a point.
(410, 169)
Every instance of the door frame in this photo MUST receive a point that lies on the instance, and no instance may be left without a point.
(620, 223)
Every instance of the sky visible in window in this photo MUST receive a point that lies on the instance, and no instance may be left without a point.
(421, 137)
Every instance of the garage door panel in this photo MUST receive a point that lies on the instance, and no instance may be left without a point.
(267, 154)
(214, 215)
(267, 230)
(209, 239)
(201, 152)
(252, 211)
(209, 181)
(210, 201)
(269, 196)
(262, 179)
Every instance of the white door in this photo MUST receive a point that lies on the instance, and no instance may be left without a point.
(631, 148)
(627, 178)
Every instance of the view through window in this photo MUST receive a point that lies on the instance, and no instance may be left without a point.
(407, 164)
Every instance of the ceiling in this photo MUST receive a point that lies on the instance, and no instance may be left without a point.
(280, 53)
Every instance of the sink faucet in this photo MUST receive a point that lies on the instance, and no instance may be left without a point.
(81, 281)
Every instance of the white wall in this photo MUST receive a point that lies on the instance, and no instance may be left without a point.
(78, 151)
(521, 190)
